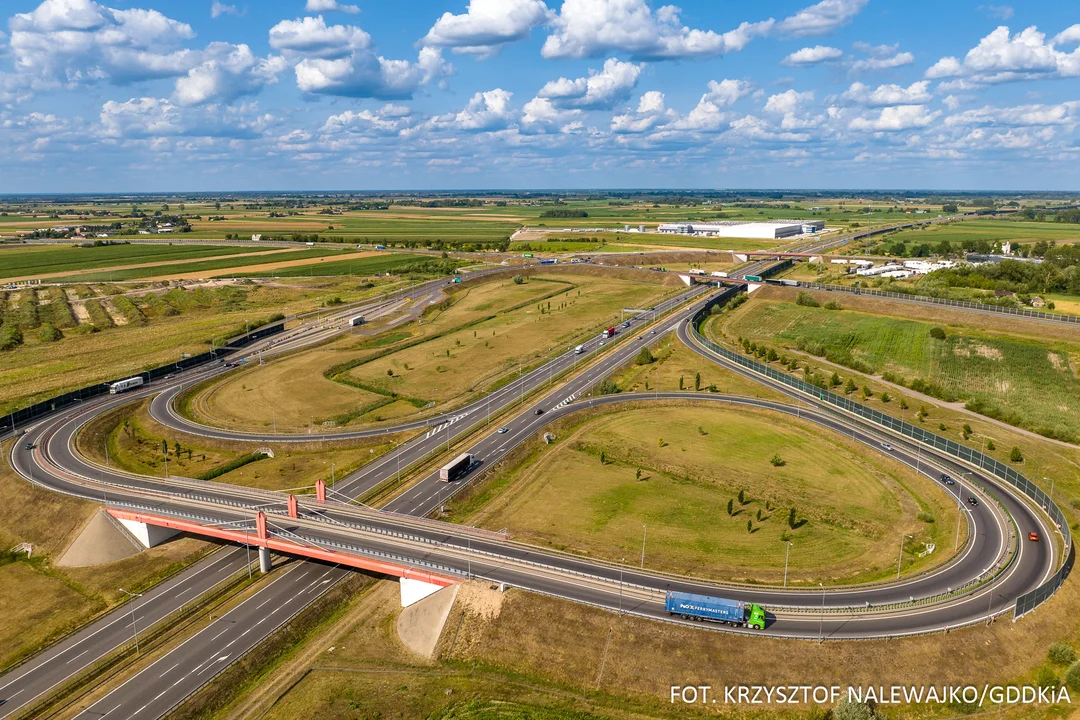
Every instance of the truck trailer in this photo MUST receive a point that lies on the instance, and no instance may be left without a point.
(358, 320)
(705, 607)
(456, 468)
(579, 349)
(124, 385)
(610, 332)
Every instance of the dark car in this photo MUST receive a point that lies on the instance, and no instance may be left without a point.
(947, 480)
(538, 411)
(29, 446)
(972, 502)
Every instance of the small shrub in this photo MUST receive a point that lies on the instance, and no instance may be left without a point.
(926, 517)
(941, 426)
(885, 397)
(1072, 677)
(49, 333)
(833, 305)
(778, 461)
(850, 387)
(645, 357)
(806, 300)
(903, 404)
(937, 333)
(1061, 654)
(730, 507)
(1015, 455)
(990, 445)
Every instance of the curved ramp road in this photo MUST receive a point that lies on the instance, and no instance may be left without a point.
(449, 549)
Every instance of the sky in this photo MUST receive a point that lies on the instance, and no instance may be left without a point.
(230, 95)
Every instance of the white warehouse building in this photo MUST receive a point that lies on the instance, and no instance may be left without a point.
(768, 229)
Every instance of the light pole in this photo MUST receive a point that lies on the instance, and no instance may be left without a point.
(621, 563)
(134, 629)
(900, 559)
(166, 456)
(959, 517)
(821, 625)
(644, 534)
(787, 551)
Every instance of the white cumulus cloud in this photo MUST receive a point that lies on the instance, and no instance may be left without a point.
(487, 25)
(883, 95)
(330, 6)
(218, 8)
(227, 73)
(821, 18)
(896, 118)
(813, 55)
(601, 90)
(651, 112)
(1004, 57)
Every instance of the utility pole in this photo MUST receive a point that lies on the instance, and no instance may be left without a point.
(900, 559)
(621, 564)
(134, 629)
(821, 625)
(644, 534)
(787, 550)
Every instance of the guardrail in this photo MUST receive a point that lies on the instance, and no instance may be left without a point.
(1025, 603)
(929, 300)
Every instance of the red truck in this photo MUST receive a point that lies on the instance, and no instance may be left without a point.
(610, 332)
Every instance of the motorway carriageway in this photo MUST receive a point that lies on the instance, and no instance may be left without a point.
(601, 591)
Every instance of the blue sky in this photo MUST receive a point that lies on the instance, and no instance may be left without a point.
(162, 95)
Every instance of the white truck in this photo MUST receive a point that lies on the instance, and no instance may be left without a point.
(124, 385)
(579, 349)
(718, 273)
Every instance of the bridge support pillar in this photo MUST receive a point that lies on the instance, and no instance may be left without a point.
(264, 560)
(148, 535)
(293, 510)
(260, 524)
(413, 591)
(320, 491)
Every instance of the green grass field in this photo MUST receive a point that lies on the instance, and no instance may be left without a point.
(586, 495)
(25, 260)
(397, 262)
(1026, 382)
(990, 230)
(192, 269)
(486, 333)
(174, 322)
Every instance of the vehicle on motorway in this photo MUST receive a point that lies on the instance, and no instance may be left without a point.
(626, 324)
(610, 332)
(947, 480)
(503, 429)
(456, 468)
(579, 349)
(1033, 536)
(29, 446)
(125, 385)
(696, 271)
(380, 247)
(973, 502)
(886, 446)
(538, 411)
(601, 342)
(526, 255)
(753, 278)
(790, 283)
(705, 607)
(718, 273)
(549, 261)
(358, 320)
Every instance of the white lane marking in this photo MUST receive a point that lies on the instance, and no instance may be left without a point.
(169, 670)
(77, 656)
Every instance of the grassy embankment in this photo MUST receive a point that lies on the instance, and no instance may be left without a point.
(136, 440)
(468, 345)
(537, 658)
(40, 601)
(1026, 379)
(1042, 459)
(676, 467)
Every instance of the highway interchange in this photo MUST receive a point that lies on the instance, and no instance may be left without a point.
(465, 552)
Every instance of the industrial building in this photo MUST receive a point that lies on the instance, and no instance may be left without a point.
(767, 229)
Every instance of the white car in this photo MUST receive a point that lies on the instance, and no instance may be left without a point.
(887, 447)
(503, 429)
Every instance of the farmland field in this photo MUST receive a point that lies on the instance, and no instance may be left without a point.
(27, 260)
(675, 471)
(483, 338)
(158, 327)
(369, 265)
(211, 267)
(989, 230)
(1025, 381)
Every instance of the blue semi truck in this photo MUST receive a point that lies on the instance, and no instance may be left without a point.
(705, 607)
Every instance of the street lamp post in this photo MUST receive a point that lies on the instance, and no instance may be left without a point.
(134, 629)
(787, 551)
(900, 559)
(644, 534)
(959, 517)
(621, 563)
(821, 625)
